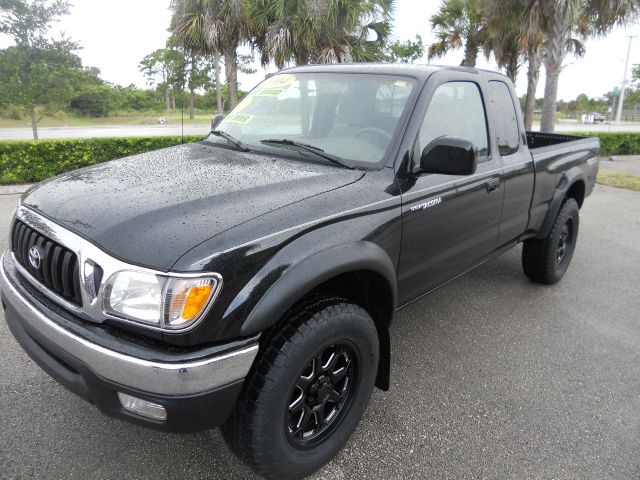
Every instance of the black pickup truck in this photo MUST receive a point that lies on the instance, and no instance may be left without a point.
(248, 280)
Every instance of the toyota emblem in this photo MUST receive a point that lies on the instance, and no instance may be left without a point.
(35, 258)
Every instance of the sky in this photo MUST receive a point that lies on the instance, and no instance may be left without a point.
(117, 34)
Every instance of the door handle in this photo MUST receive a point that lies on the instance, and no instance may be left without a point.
(493, 185)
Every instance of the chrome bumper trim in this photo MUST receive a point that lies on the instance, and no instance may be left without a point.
(153, 377)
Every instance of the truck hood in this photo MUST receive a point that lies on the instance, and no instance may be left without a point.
(150, 209)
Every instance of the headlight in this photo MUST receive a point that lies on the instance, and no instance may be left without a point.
(167, 302)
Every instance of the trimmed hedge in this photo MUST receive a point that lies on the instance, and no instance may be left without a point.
(30, 161)
(616, 143)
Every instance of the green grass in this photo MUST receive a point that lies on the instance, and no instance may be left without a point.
(619, 179)
(173, 118)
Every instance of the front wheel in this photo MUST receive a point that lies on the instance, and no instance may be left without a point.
(307, 391)
(546, 260)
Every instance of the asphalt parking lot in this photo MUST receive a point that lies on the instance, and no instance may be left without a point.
(493, 377)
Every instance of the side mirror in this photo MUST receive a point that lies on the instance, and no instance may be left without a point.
(215, 121)
(449, 156)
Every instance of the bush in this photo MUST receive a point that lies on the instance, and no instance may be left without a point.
(31, 161)
(616, 143)
(14, 113)
(94, 101)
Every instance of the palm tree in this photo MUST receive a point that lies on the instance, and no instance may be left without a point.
(511, 45)
(502, 34)
(533, 46)
(214, 26)
(459, 23)
(558, 22)
(285, 31)
(320, 31)
(354, 31)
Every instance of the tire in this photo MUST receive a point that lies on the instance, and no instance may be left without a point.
(546, 260)
(267, 428)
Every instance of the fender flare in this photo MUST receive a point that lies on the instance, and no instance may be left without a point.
(569, 178)
(302, 277)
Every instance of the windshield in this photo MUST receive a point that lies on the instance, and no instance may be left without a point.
(349, 116)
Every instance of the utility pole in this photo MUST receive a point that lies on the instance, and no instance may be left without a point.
(624, 81)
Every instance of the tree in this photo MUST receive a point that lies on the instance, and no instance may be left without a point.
(93, 96)
(165, 68)
(32, 72)
(93, 101)
(511, 45)
(559, 22)
(214, 26)
(408, 51)
(308, 31)
(503, 34)
(26, 22)
(459, 24)
(39, 77)
(215, 60)
(199, 76)
(354, 31)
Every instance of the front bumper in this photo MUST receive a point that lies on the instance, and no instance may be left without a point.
(197, 389)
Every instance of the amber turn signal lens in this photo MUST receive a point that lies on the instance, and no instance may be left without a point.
(195, 301)
(186, 299)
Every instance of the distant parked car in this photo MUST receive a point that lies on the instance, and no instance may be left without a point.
(592, 117)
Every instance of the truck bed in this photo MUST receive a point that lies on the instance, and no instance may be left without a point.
(555, 156)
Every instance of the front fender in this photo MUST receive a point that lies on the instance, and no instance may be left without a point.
(297, 279)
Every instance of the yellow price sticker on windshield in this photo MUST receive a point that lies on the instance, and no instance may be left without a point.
(238, 118)
(246, 101)
(268, 92)
(279, 81)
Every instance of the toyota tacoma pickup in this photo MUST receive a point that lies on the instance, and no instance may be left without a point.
(248, 280)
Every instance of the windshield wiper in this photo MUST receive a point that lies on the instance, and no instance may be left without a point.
(308, 148)
(231, 139)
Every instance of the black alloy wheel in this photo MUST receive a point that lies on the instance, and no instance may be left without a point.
(565, 241)
(322, 395)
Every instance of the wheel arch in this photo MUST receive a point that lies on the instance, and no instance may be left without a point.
(571, 185)
(577, 191)
(362, 273)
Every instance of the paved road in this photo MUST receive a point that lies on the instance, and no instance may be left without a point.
(115, 131)
(493, 377)
(165, 130)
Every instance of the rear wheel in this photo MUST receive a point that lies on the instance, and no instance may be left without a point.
(307, 390)
(547, 260)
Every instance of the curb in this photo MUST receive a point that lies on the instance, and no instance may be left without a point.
(14, 189)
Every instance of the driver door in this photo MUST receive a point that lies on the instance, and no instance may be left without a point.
(450, 223)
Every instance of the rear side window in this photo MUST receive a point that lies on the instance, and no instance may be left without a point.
(506, 118)
(456, 110)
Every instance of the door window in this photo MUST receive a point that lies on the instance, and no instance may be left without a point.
(456, 110)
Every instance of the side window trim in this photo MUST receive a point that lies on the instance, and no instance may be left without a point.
(516, 149)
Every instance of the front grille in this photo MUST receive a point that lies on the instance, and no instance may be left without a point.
(58, 271)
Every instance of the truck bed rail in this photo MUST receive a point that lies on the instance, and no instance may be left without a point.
(538, 139)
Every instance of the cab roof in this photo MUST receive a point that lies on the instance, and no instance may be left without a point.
(420, 71)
